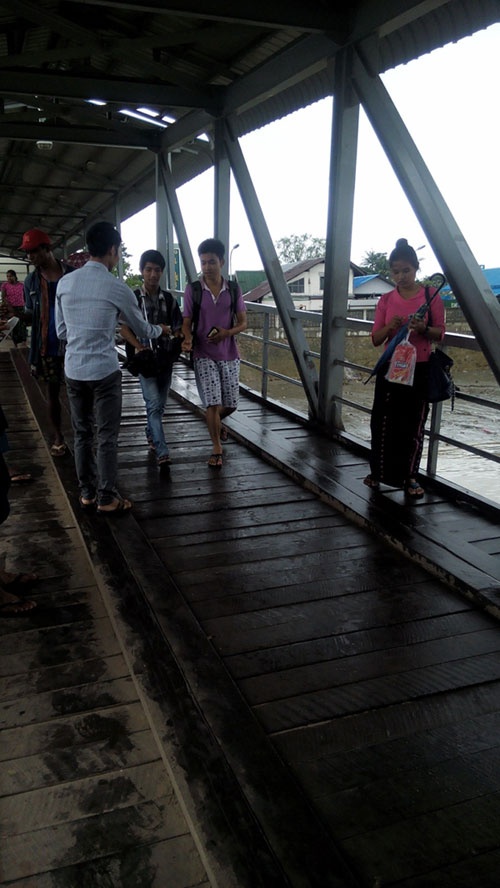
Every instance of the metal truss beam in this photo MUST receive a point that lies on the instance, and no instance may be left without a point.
(186, 129)
(274, 273)
(222, 187)
(280, 14)
(34, 83)
(164, 228)
(72, 135)
(338, 242)
(173, 203)
(469, 285)
(296, 63)
(116, 47)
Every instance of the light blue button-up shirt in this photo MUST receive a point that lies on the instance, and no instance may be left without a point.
(88, 304)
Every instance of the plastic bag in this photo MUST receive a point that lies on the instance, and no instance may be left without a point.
(402, 366)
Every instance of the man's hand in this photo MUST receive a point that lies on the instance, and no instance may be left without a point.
(165, 330)
(187, 344)
(218, 337)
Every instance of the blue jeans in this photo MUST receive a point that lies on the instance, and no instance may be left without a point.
(155, 391)
(96, 401)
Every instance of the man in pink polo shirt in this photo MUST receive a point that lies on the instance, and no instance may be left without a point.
(215, 353)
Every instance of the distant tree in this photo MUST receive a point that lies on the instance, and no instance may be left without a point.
(300, 246)
(376, 263)
(132, 280)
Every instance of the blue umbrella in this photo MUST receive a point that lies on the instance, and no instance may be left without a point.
(403, 331)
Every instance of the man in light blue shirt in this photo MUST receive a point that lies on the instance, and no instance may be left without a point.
(89, 303)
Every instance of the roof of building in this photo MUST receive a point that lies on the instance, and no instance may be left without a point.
(492, 275)
(93, 92)
(291, 270)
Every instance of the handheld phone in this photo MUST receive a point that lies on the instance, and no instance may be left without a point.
(212, 332)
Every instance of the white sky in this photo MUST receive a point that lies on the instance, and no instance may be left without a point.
(448, 100)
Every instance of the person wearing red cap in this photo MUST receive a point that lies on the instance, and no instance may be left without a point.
(46, 351)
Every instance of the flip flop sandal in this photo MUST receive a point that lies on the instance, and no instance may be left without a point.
(413, 490)
(164, 461)
(123, 506)
(21, 478)
(87, 505)
(58, 449)
(215, 461)
(369, 481)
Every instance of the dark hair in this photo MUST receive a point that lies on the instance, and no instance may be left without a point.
(101, 237)
(153, 256)
(212, 245)
(404, 253)
(11, 271)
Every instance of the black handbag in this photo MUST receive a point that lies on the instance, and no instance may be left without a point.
(150, 362)
(440, 385)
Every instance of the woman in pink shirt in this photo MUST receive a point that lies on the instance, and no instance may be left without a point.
(13, 304)
(400, 411)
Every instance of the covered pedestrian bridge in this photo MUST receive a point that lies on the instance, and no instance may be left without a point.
(267, 676)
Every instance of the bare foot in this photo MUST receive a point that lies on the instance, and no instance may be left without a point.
(11, 605)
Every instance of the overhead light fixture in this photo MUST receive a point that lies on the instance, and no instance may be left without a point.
(168, 119)
(43, 145)
(95, 102)
(149, 112)
(128, 113)
(203, 137)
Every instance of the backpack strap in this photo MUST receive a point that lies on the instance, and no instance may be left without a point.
(234, 291)
(197, 292)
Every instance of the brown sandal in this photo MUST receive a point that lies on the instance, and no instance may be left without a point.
(122, 505)
(370, 482)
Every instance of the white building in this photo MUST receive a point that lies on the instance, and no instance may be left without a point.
(306, 282)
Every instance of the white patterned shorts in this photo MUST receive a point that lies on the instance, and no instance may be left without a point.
(218, 382)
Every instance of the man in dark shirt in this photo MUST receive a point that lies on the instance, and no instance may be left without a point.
(46, 352)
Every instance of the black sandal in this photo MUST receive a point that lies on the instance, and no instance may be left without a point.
(215, 461)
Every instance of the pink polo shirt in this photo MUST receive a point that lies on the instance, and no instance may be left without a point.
(213, 314)
(392, 303)
(13, 293)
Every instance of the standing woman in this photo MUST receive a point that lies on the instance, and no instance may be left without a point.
(400, 411)
(13, 305)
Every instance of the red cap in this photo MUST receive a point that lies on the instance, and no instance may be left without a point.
(33, 238)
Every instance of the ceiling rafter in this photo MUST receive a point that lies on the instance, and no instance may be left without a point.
(42, 83)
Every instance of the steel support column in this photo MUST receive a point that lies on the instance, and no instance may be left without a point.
(284, 302)
(164, 229)
(338, 241)
(118, 222)
(161, 219)
(222, 186)
(173, 203)
(469, 285)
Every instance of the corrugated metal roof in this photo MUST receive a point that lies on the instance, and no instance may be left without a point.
(191, 50)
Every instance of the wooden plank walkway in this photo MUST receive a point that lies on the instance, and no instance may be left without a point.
(354, 696)
(85, 798)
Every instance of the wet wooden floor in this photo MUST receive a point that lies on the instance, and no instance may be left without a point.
(85, 799)
(354, 695)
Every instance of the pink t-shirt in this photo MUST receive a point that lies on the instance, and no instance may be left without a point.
(213, 314)
(13, 294)
(392, 303)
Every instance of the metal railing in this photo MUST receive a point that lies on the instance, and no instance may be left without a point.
(434, 434)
